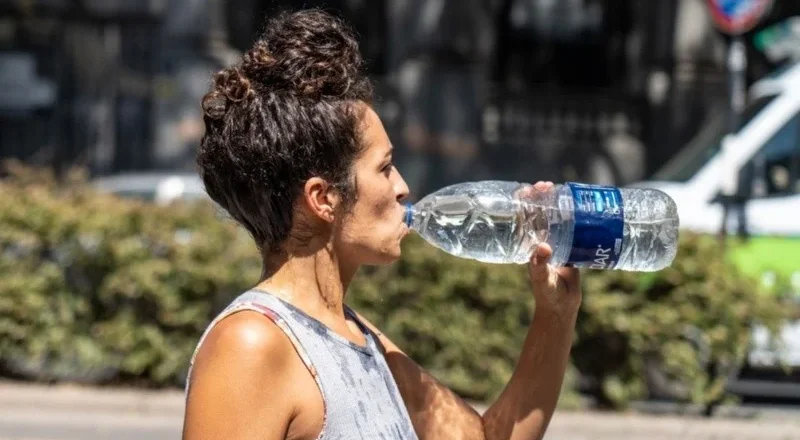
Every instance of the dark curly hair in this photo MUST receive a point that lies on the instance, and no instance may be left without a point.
(288, 111)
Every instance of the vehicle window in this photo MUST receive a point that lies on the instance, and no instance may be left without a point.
(776, 168)
(705, 145)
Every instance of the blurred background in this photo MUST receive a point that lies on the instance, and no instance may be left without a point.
(595, 90)
(110, 276)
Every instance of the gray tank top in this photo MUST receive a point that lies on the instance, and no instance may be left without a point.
(360, 395)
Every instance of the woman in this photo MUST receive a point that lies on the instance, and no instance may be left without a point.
(295, 154)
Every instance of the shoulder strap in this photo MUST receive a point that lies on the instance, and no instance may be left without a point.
(365, 329)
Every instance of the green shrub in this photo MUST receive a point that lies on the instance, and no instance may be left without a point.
(681, 331)
(466, 321)
(104, 290)
(98, 289)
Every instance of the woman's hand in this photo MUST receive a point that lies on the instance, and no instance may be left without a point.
(557, 291)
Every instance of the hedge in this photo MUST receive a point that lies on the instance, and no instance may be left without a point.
(100, 289)
(108, 291)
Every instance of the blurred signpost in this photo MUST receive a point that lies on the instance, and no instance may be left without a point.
(734, 18)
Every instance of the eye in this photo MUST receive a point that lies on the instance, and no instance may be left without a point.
(388, 167)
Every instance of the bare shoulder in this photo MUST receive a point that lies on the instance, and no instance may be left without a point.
(246, 339)
(243, 372)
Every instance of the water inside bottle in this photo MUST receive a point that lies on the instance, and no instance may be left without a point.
(503, 222)
(489, 224)
(651, 231)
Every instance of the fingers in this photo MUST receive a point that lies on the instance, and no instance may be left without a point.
(539, 268)
(541, 272)
(540, 259)
(537, 189)
(543, 186)
(571, 276)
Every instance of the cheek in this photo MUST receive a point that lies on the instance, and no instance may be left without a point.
(372, 217)
(375, 199)
(387, 212)
(383, 208)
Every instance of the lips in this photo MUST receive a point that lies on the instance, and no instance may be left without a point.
(404, 229)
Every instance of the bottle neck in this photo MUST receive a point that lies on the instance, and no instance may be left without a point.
(409, 218)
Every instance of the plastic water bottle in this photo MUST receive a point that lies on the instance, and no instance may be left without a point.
(590, 226)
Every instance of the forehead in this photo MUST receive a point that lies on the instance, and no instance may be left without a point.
(376, 140)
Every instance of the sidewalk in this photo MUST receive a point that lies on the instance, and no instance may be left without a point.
(30, 411)
(18, 395)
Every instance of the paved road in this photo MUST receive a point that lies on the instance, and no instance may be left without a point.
(41, 413)
(30, 424)
(33, 412)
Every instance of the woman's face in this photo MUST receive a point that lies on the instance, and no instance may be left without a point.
(371, 232)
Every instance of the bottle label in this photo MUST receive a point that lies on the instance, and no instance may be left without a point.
(599, 225)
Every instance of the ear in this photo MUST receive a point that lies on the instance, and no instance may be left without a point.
(321, 199)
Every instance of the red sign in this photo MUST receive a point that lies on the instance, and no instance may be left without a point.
(736, 17)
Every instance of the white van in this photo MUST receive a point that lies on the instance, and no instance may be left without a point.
(762, 159)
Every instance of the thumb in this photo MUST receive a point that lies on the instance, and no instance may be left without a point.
(538, 268)
(571, 277)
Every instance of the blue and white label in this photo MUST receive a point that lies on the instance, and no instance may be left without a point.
(599, 225)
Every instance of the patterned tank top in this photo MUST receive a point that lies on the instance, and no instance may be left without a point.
(360, 395)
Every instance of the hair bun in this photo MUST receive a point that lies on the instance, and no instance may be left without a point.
(233, 84)
(214, 105)
(308, 53)
(257, 59)
(230, 85)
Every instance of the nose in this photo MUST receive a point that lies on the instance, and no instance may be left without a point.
(401, 188)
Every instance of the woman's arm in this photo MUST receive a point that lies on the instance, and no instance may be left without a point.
(524, 409)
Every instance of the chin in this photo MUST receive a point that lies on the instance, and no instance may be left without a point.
(386, 257)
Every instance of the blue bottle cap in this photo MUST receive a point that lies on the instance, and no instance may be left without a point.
(409, 214)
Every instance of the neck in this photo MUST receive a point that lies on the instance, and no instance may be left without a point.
(314, 282)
